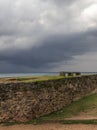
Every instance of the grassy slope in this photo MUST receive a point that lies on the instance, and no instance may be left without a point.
(30, 79)
(33, 78)
(39, 78)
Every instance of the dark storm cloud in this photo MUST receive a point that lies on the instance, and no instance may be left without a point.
(38, 35)
(54, 49)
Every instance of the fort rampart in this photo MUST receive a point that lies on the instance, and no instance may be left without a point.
(23, 102)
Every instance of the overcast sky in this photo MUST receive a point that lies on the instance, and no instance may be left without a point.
(48, 35)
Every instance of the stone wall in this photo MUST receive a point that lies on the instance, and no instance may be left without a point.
(25, 101)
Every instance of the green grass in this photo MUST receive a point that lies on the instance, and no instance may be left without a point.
(42, 78)
(31, 79)
(80, 122)
(34, 78)
(37, 122)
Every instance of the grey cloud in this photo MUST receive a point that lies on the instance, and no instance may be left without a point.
(38, 35)
(61, 2)
(54, 49)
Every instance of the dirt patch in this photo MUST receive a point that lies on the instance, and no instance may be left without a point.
(49, 127)
(82, 116)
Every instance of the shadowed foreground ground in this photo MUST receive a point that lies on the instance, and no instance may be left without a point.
(49, 127)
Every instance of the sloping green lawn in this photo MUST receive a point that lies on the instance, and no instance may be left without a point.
(30, 79)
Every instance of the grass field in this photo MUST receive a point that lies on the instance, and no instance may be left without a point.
(33, 78)
(39, 78)
(30, 79)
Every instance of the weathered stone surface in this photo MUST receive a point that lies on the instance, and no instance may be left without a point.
(25, 101)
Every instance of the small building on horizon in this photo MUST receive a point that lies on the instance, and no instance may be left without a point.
(63, 73)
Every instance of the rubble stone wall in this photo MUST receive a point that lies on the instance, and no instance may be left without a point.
(22, 102)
